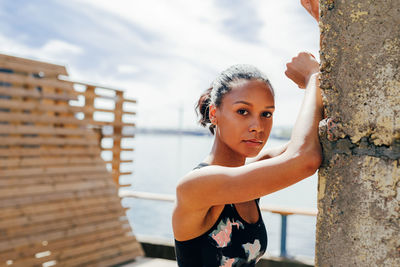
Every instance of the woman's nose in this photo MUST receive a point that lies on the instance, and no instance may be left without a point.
(255, 125)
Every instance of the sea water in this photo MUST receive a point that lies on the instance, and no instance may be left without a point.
(160, 161)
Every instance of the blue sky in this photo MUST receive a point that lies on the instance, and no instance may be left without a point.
(163, 53)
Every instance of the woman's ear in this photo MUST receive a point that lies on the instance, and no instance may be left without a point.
(212, 110)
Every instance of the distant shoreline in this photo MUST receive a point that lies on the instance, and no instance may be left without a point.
(277, 133)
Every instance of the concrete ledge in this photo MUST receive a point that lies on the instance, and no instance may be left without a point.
(149, 262)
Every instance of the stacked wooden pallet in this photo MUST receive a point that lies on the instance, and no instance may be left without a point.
(58, 203)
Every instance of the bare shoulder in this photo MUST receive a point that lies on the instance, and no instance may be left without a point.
(190, 219)
(198, 185)
(203, 174)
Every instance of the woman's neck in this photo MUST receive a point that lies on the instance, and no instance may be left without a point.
(223, 155)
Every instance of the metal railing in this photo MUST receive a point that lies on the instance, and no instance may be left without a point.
(284, 212)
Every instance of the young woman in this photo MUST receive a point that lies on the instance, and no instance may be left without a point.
(217, 221)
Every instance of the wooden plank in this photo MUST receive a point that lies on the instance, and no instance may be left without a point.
(120, 161)
(126, 100)
(125, 173)
(72, 95)
(56, 235)
(51, 179)
(42, 118)
(91, 94)
(125, 244)
(95, 85)
(114, 98)
(123, 185)
(117, 149)
(56, 196)
(38, 106)
(99, 255)
(129, 113)
(21, 162)
(114, 261)
(36, 208)
(117, 142)
(19, 91)
(47, 141)
(116, 112)
(49, 152)
(104, 110)
(48, 130)
(89, 103)
(65, 225)
(51, 189)
(60, 244)
(96, 246)
(101, 168)
(31, 66)
(36, 94)
(66, 213)
(37, 238)
(118, 136)
(134, 249)
(112, 123)
(17, 79)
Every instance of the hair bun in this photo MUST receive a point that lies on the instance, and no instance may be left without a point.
(202, 109)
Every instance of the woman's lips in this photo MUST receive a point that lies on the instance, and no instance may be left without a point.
(253, 142)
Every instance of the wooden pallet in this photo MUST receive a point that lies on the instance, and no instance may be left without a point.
(59, 204)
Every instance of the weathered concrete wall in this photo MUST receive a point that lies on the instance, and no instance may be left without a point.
(359, 181)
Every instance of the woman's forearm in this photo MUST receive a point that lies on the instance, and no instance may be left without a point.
(304, 136)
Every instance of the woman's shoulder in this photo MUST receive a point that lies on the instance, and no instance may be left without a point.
(201, 165)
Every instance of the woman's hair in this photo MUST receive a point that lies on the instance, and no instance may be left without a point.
(222, 85)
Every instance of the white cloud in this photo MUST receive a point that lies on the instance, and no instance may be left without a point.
(55, 51)
(195, 48)
(165, 53)
(59, 48)
(127, 69)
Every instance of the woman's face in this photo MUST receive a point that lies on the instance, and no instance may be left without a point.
(244, 118)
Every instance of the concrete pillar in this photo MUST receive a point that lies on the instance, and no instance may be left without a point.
(359, 182)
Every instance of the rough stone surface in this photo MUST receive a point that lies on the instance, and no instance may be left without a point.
(360, 48)
(358, 220)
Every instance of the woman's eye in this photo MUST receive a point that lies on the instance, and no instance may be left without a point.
(242, 112)
(267, 114)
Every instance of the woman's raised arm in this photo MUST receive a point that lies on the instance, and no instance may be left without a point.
(216, 185)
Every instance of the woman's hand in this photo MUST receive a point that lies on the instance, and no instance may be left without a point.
(300, 69)
(312, 6)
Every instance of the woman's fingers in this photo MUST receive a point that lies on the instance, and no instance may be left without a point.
(296, 77)
(312, 6)
(301, 68)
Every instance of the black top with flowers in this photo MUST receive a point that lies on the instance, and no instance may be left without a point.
(231, 241)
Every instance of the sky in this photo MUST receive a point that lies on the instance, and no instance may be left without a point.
(164, 54)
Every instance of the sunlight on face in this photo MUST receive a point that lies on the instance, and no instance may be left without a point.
(244, 118)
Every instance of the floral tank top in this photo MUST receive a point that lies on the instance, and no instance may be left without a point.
(230, 242)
